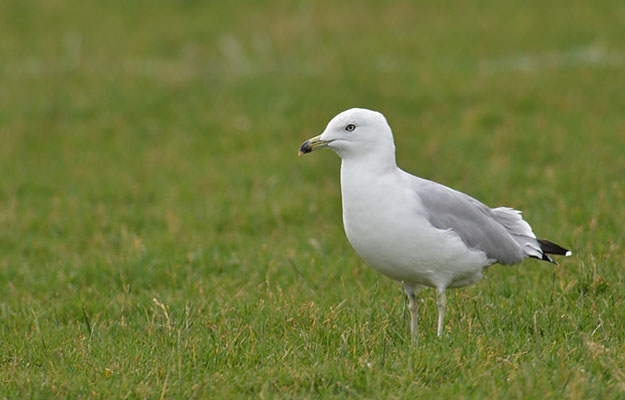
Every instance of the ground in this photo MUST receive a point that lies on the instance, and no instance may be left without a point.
(159, 236)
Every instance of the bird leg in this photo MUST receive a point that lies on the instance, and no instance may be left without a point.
(411, 292)
(412, 305)
(441, 302)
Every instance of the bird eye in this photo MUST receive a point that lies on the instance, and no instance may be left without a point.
(350, 127)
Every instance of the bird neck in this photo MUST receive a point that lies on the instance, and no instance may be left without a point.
(372, 162)
(361, 172)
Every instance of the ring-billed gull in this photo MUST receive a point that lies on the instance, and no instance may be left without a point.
(414, 230)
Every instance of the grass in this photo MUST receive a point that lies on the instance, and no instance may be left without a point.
(159, 238)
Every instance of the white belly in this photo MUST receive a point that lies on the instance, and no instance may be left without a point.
(393, 235)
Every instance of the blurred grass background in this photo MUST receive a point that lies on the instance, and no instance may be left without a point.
(159, 237)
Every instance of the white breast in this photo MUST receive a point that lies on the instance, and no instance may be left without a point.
(386, 224)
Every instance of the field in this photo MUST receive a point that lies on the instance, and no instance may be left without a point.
(160, 238)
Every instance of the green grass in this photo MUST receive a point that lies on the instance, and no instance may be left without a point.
(159, 237)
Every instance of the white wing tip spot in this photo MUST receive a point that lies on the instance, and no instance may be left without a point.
(568, 253)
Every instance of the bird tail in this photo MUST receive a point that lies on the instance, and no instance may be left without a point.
(548, 247)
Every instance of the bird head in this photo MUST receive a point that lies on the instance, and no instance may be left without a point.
(353, 134)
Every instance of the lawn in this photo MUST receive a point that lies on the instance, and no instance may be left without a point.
(160, 238)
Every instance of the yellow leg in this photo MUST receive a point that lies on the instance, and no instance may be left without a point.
(441, 302)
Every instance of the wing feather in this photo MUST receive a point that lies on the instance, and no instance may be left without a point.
(501, 232)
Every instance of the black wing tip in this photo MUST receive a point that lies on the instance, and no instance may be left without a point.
(545, 257)
(549, 247)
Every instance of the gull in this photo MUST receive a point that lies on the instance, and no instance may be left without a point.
(413, 230)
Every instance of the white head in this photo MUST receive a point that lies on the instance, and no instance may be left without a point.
(356, 134)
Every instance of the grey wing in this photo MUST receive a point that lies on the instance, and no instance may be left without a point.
(500, 232)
